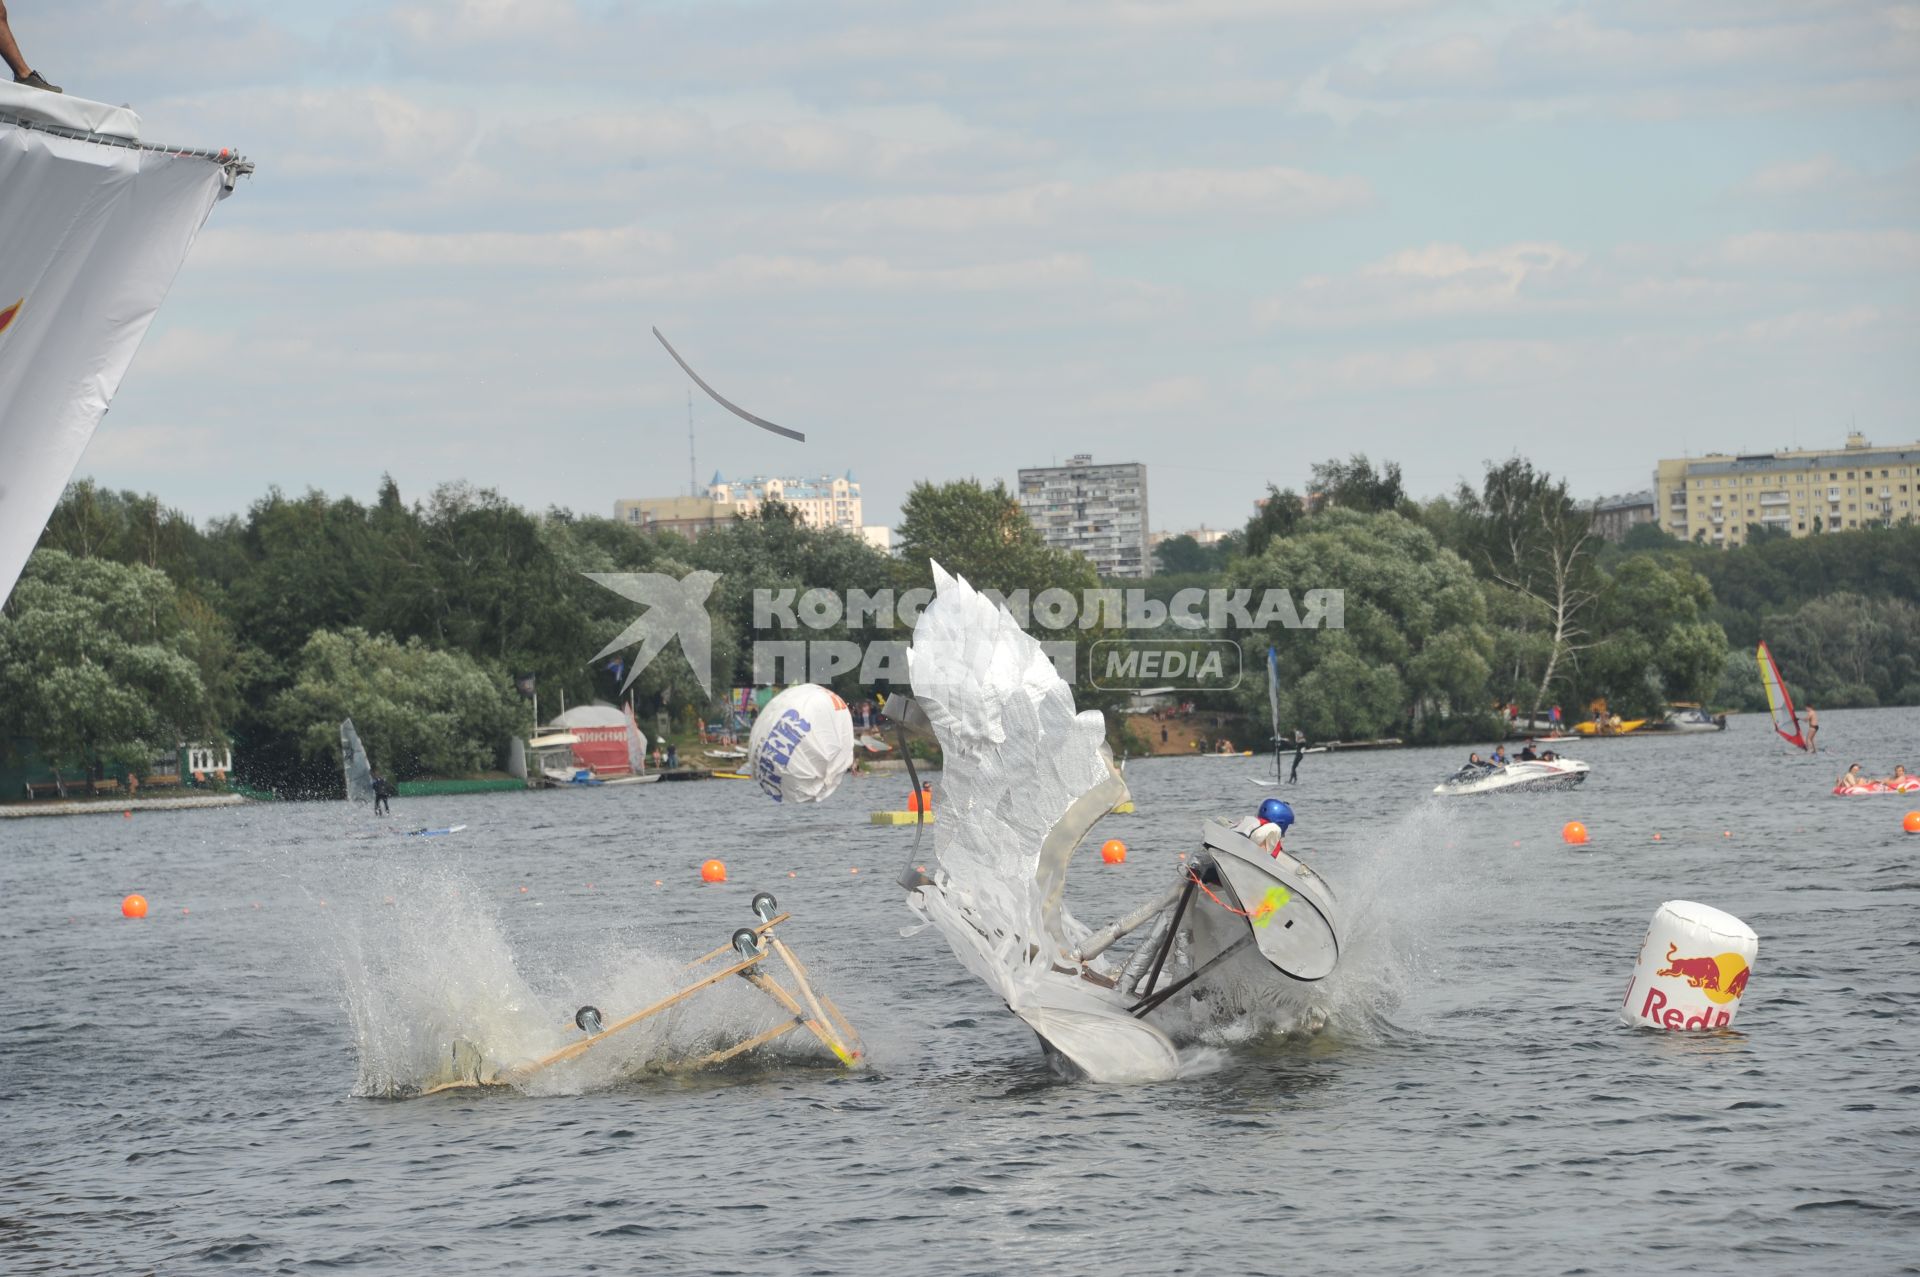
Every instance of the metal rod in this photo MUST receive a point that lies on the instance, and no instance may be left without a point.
(1105, 938)
(911, 877)
(760, 930)
(239, 164)
(1179, 911)
(1141, 1008)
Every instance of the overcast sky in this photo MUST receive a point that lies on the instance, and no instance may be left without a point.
(1223, 237)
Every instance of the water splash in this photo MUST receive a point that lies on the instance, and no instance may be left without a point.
(434, 966)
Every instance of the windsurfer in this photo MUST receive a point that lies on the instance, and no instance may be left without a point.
(1813, 726)
(1299, 752)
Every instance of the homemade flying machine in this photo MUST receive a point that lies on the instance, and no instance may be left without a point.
(1242, 929)
(744, 957)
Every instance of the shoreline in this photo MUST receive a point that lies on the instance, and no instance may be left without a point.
(108, 806)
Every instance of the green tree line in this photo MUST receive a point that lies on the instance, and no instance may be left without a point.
(134, 627)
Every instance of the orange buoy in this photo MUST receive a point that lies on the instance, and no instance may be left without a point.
(134, 906)
(1911, 823)
(1656, 837)
(853, 871)
(1113, 851)
(713, 871)
(127, 814)
(1575, 833)
(1726, 833)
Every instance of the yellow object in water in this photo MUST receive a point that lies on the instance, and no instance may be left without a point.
(1124, 809)
(1591, 729)
(898, 818)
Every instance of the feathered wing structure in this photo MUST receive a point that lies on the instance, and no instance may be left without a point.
(1025, 774)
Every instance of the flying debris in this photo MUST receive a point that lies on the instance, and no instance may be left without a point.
(716, 396)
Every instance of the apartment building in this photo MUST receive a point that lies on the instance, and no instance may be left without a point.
(1715, 498)
(1099, 511)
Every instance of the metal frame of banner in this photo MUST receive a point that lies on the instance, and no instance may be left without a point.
(237, 166)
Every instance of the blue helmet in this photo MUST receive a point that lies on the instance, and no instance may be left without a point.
(1277, 812)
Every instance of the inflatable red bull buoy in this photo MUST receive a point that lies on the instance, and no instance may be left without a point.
(1692, 970)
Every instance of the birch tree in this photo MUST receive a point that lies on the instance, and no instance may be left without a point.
(1530, 535)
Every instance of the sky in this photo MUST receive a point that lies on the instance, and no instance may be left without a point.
(1226, 238)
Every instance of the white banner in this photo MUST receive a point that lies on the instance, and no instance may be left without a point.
(91, 237)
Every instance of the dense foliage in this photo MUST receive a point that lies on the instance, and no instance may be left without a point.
(133, 628)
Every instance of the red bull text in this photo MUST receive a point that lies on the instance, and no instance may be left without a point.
(1721, 978)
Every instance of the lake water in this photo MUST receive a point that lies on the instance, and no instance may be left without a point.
(180, 1092)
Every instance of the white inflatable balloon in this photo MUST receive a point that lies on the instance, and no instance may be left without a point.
(802, 744)
(1692, 969)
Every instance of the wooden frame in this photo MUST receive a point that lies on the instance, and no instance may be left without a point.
(806, 1008)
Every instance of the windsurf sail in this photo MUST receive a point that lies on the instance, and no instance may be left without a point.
(94, 224)
(1273, 704)
(636, 744)
(353, 763)
(1785, 720)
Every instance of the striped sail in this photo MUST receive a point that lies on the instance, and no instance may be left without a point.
(1785, 721)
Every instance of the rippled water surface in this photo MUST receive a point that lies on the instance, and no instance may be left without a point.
(181, 1092)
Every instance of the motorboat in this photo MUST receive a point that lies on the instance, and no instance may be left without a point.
(1515, 777)
(1238, 930)
(1692, 718)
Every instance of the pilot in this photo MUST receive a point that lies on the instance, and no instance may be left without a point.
(1276, 817)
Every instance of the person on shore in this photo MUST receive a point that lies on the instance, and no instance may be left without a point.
(10, 50)
(382, 791)
(673, 756)
(1813, 727)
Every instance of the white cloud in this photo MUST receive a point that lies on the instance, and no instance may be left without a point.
(1432, 282)
(1266, 193)
(1797, 177)
(754, 274)
(1871, 252)
(594, 248)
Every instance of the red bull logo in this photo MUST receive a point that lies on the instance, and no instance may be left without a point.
(1722, 977)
